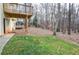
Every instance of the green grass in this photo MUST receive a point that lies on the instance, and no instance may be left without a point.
(39, 45)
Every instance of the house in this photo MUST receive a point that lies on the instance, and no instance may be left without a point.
(10, 13)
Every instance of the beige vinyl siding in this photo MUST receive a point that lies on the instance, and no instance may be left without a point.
(1, 19)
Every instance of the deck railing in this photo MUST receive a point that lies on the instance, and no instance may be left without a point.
(18, 8)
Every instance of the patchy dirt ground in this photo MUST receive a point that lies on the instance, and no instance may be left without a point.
(38, 31)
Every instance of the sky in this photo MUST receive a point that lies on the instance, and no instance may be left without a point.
(39, 1)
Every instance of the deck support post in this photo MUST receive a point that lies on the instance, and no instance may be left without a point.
(26, 24)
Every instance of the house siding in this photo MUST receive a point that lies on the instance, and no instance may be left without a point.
(1, 19)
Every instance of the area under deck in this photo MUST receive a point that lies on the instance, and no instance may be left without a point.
(18, 11)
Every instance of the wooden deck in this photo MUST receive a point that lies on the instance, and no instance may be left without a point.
(17, 10)
(16, 15)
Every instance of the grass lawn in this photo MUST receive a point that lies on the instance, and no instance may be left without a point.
(39, 45)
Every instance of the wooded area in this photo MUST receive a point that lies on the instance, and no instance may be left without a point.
(56, 17)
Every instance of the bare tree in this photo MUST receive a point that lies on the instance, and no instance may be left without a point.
(69, 20)
(59, 17)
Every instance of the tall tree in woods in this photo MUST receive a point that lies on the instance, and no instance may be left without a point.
(54, 20)
(77, 21)
(69, 19)
(52, 13)
(64, 18)
(46, 14)
(59, 17)
(73, 15)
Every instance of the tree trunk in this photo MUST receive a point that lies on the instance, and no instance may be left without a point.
(69, 20)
